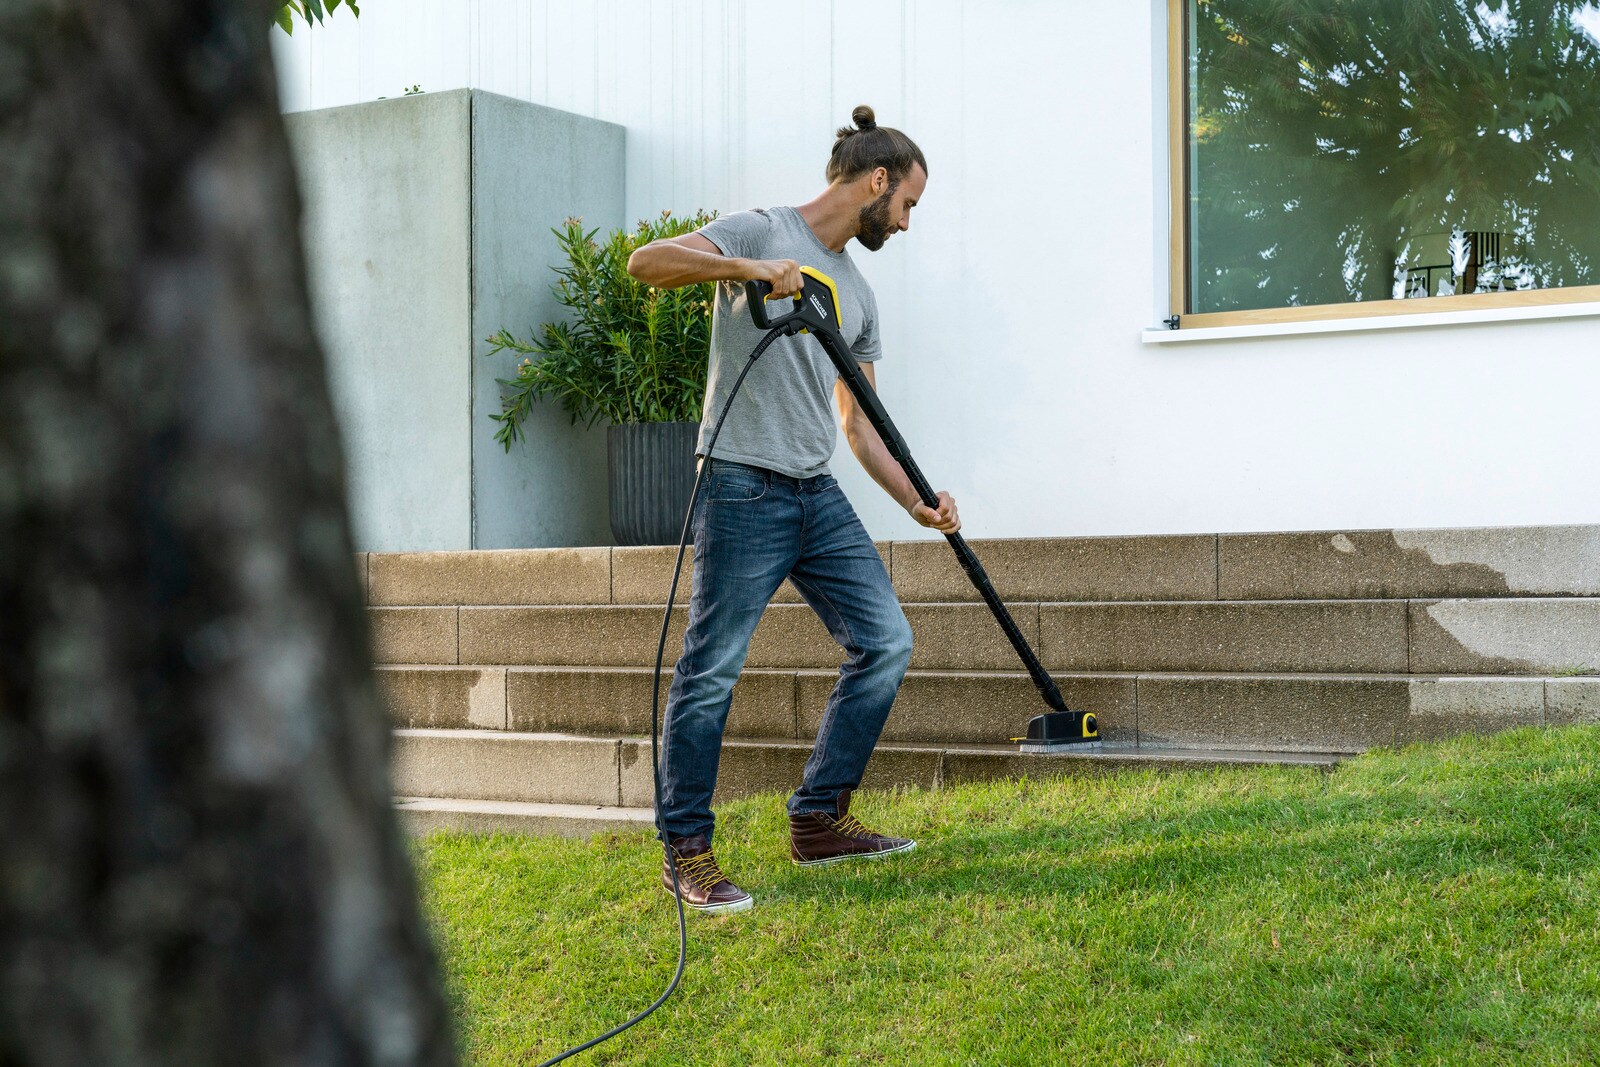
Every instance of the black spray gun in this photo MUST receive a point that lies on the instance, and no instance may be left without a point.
(815, 311)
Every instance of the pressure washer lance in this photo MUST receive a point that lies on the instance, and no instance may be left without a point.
(816, 311)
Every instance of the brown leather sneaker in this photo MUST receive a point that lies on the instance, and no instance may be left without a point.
(703, 886)
(817, 838)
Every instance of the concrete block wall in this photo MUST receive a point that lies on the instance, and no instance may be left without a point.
(427, 228)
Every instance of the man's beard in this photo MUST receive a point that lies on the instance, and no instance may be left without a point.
(875, 227)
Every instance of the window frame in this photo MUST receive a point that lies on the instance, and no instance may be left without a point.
(1180, 298)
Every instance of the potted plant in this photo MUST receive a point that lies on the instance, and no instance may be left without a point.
(631, 354)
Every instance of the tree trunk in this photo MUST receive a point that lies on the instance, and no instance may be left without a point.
(199, 863)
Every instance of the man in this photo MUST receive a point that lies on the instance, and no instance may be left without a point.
(769, 509)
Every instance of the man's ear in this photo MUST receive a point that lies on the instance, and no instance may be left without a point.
(880, 181)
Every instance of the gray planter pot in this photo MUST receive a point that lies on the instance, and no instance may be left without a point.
(651, 467)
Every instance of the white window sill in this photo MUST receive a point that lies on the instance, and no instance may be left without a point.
(1160, 335)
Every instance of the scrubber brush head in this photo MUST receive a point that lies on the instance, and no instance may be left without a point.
(1058, 730)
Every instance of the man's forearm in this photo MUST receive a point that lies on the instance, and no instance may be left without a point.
(874, 457)
(667, 265)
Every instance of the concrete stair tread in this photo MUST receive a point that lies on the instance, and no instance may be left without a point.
(1134, 753)
(929, 672)
(529, 808)
(589, 772)
(1135, 602)
(1252, 711)
(1517, 635)
(1146, 753)
(1527, 561)
(424, 815)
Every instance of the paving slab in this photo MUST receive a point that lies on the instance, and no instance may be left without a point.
(450, 773)
(748, 767)
(956, 706)
(616, 700)
(413, 635)
(986, 764)
(945, 637)
(427, 815)
(1508, 636)
(500, 576)
(791, 635)
(1448, 707)
(1399, 564)
(1277, 713)
(1180, 567)
(601, 636)
(1365, 636)
(1572, 701)
(643, 575)
(948, 636)
(494, 765)
(462, 697)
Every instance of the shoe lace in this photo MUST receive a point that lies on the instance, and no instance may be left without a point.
(701, 870)
(850, 826)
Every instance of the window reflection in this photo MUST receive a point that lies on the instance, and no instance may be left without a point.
(1346, 150)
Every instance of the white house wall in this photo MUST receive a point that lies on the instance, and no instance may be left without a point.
(1013, 307)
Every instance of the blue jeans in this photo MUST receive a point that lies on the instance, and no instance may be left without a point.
(752, 529)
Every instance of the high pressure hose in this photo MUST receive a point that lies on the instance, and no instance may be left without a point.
(655, 708)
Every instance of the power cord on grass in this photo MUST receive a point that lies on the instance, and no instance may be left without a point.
(655, 709)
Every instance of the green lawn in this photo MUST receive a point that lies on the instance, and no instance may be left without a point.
(1434, 905)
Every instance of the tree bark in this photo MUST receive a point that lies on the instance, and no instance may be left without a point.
(199, 861)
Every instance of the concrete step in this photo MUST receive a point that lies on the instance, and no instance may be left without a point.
(1463, 636)
(601, 772)
(1531, 561)
(426, 815)
(1274, 712)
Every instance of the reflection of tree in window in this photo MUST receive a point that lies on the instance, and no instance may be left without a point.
(1355, 149)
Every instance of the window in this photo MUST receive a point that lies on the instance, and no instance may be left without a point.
(1370, 157)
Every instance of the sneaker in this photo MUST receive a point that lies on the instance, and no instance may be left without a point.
(701, 884)
(818, 838)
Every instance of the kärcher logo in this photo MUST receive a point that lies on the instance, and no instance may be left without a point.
(818, 305)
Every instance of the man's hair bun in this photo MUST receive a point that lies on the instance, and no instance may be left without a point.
(854, 155)
(864, 120)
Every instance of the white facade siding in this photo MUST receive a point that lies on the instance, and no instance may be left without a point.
(1013, 308)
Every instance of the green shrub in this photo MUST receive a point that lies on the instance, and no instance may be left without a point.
(631, 352)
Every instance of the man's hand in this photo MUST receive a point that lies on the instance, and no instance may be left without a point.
(945, 520)
(784, 274)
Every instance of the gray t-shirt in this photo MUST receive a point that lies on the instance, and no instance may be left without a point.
(782, 418)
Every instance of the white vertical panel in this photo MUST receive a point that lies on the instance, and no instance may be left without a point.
(869, 68)
(718, 30)
(539, 51)
(387, 35)
(610, 45)
(335, 59)
(658, 166)
(817, 110)
(570, 55)
(291, 60)
(689, 115)
(929, 261)
(633, 102)
(504, 36)
(773, 106)
(443, 49)
(402, 43)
